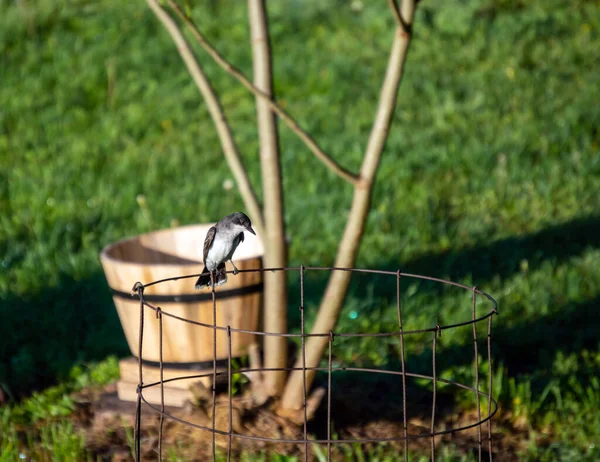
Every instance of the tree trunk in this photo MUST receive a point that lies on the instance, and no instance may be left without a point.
(275, 306)
(346, 257)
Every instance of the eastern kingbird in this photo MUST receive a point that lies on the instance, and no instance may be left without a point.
(219, 245)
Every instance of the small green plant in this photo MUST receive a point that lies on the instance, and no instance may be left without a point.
(130, 439)
(62, 442)
(175, 453)
(55, 402)
(9, 447)
(238, 380)
(43, 417)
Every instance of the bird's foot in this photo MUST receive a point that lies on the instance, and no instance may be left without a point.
(235, 270)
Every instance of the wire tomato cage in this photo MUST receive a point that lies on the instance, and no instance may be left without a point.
(401, 333)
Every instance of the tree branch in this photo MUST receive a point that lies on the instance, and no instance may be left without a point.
(337, 285)
(275, 306)
(290, 122)
(228, 144)
(396, 12)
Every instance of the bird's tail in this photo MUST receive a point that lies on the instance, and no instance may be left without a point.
(219, 275)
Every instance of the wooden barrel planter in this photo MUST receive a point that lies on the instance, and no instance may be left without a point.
(186, 347)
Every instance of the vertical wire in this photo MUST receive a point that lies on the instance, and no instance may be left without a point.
(399, 308)
(162, 384)
(303, 361)
(138, 409)
(473, 312)
(489, 424)
(229, 392)
(214, 380)
(435, 334)
(329, 398)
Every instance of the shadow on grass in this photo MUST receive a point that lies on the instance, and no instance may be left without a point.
(529, 345)
(43, 335)
(501, 258)
(364, 400)
(524, 346)
(533, 343)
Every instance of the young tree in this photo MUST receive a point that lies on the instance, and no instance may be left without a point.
(269, 219)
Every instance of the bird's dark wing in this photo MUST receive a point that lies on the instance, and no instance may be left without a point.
(236, 241)
(210, 237)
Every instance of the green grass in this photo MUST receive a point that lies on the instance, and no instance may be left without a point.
(491, 176)
(36, 426)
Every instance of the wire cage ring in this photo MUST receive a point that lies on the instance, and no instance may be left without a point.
(436, 331)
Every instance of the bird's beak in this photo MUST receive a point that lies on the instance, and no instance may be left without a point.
(249, 228)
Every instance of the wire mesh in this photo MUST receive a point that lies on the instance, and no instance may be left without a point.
(435, 331)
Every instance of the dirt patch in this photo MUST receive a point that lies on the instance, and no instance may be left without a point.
(108, 424)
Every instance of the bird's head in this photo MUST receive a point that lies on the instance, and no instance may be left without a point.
(242, 222)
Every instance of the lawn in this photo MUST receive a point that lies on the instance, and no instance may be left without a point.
(491, 176)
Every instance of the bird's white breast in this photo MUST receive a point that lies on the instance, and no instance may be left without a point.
(217, 253)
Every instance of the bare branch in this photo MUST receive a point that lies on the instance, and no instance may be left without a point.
(396, 11)
(275, 304)
(228, 144)
(290, 122)
(337, 285)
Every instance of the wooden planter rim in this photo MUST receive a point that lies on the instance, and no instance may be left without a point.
(192, 298)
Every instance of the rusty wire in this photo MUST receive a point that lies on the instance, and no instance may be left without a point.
(138, 289)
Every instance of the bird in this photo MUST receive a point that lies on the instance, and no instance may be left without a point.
(221, 241)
